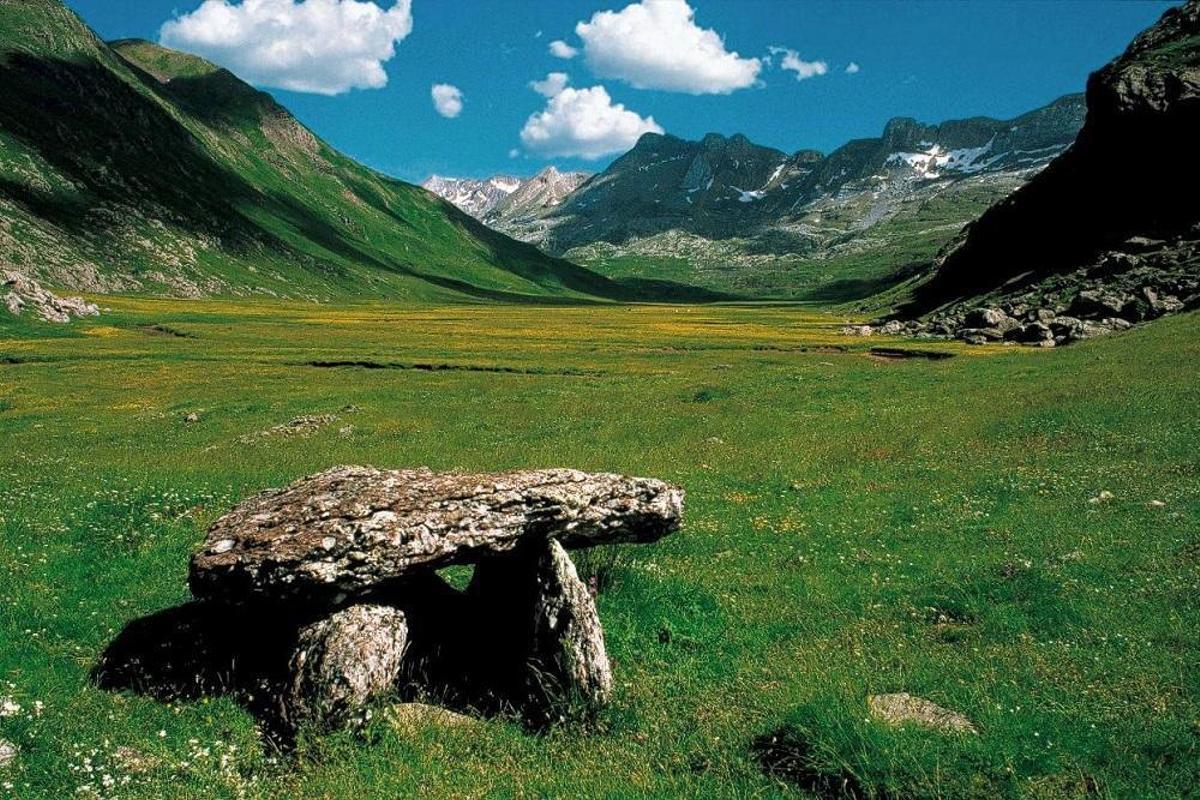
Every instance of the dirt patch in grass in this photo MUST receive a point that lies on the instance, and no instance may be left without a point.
(13, 360)
(165, 330)
(430, 367)
(890, 354)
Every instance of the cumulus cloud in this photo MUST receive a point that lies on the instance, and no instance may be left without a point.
(656, 44)
(853, 68)
(447, 99)
(803, 69)
(551, 85)
(583, 123)
(319, 46)
(560, 49)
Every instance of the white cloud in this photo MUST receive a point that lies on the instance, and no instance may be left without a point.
(584, 123)
(560, 49)
(803, 69)
(551, 85)
(447, 99)
(853, 68)
(656, 44)
(320, 46)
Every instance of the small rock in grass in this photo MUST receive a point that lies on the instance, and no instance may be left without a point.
(8, 753)
(410, 716)
(1157, 504)
(1103, 497)
(9, 707)
(907, 709)
(192, 417)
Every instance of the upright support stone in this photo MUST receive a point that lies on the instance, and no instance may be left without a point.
(543, 615)
(342, 663)
(566, 630)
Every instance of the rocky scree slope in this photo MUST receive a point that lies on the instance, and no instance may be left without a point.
(740, 213)
(1106, 236)
(130, 167)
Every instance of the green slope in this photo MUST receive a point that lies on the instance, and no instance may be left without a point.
(135, 168)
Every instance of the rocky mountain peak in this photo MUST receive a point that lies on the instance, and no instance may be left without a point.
(1131, 174)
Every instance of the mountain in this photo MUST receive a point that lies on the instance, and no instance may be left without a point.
(476, 197)
(753, 218)
(505, 202)
(1132, 174)
(130, 167)
(533, 198)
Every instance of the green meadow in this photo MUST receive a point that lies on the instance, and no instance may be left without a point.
(1011, 533)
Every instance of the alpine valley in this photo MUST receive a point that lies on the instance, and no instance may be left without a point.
(720, 472)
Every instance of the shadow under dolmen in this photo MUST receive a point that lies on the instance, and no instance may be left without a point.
(318, 599)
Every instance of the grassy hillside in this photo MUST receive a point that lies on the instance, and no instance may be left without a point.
(854, 525)
(133, 168)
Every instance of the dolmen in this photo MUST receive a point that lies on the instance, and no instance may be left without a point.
(345, 563)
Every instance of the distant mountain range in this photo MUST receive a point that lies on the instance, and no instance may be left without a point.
(506, 202)
(131, 167)
(750, 218)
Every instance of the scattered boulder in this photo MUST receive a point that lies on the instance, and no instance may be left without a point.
(1036, 332)
(907, 709)
(8, 753)
(344, 662)
(191, 418)
(857, 330)
(352, 528)
(1097, 303)
(21, 292)
(991, 319)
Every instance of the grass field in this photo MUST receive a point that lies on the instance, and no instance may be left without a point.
(854, 525)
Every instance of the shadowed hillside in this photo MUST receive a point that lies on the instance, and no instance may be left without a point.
(130, 167)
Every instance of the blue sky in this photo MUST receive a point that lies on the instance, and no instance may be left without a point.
(929, 60)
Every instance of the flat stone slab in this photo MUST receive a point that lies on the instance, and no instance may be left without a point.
(348, 530)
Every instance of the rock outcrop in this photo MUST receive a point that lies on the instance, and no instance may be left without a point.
(335, 602)
(18, 293)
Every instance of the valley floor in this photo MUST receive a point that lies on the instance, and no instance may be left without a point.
(1009, 532)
